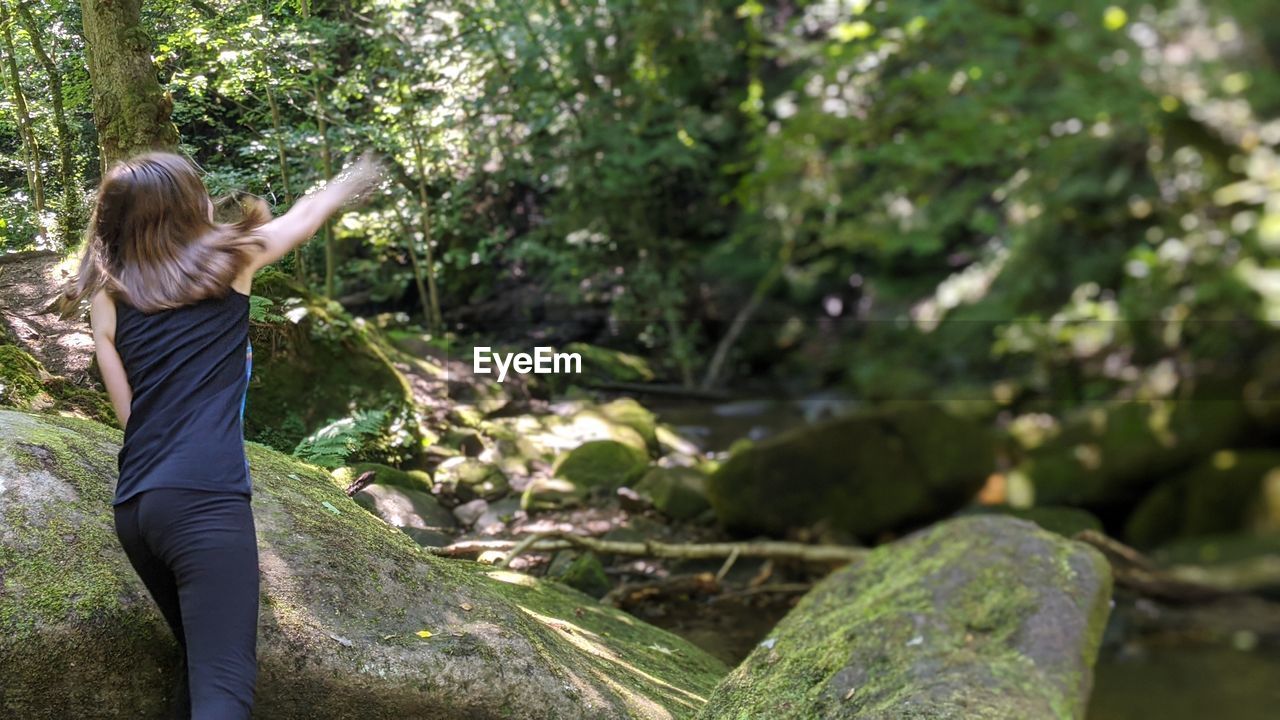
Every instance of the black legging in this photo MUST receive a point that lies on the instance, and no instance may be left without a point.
(198, 556)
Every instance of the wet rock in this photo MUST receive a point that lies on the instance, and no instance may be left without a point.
(979, 617)
(862, 474)
(602, 463)
(1232, 491)
(677, 492)
(356, 620)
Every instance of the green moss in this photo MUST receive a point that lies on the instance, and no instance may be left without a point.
(605, 365)
(602, 463)
(343, 597)
(626, 411)
(1214, 497)
(863, 474)
(384, 475)
(322, 367)
(981, 617)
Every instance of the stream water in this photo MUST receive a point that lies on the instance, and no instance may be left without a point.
(1186, 678)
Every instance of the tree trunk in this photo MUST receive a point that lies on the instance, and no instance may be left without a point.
(130, 109)
(71, 215)
(418, 148)
(30, 148)
(326, 159)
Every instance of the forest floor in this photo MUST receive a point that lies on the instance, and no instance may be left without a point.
(30, 283)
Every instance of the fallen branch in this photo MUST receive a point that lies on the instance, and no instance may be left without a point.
(1135, 571)
(766, 549)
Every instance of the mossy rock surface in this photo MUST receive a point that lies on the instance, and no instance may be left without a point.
(677, 492)
(1108, 456)
(626, 411)
(26, 385)
(414, 512)
(602, 463)
(466, 479)
(601, 364)
(862, 474)
(312, 364)
(384, 475)
(977, 618)
(1224, 494)
(343, 598)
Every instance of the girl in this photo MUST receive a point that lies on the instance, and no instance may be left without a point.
(169, 308)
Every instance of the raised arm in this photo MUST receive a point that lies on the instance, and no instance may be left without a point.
(102, 320)
(306, 216)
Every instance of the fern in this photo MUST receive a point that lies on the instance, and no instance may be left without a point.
(331, 445)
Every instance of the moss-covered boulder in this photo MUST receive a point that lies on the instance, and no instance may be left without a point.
(979, 617)
(463, 479)
(548, 493)
(356, 619)
(1227, 493)
(602, 464)
(626, 411)
(26, 385)
(603, 365)
(677, 492)
(313, 364)
(1107, 456)
(863, 474)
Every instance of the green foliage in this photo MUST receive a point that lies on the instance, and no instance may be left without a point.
(333, 444)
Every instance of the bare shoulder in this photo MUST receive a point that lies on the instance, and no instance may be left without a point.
(102, 315)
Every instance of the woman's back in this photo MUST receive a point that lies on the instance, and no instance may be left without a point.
(189, 370)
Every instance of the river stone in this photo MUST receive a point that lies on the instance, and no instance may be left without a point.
(602, 463)
(626, 411)
(862, 474)
(1109, 455)
(467, 478)
(1232, 491)
(979, 617)
(677, 492)
(414, 512)
(344, 597)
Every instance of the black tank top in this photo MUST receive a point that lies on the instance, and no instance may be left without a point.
(189, 370)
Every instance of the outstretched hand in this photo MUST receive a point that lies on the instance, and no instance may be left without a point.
(363, 176)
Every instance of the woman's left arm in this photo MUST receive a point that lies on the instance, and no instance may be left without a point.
(102, 319)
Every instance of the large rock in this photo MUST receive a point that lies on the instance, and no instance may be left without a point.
(980, 617)
(1232, 491)
(863, 474)
(344, 597)
(312, 364)
(1108, 455)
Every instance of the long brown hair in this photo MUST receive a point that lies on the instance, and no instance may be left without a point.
(151, 243)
